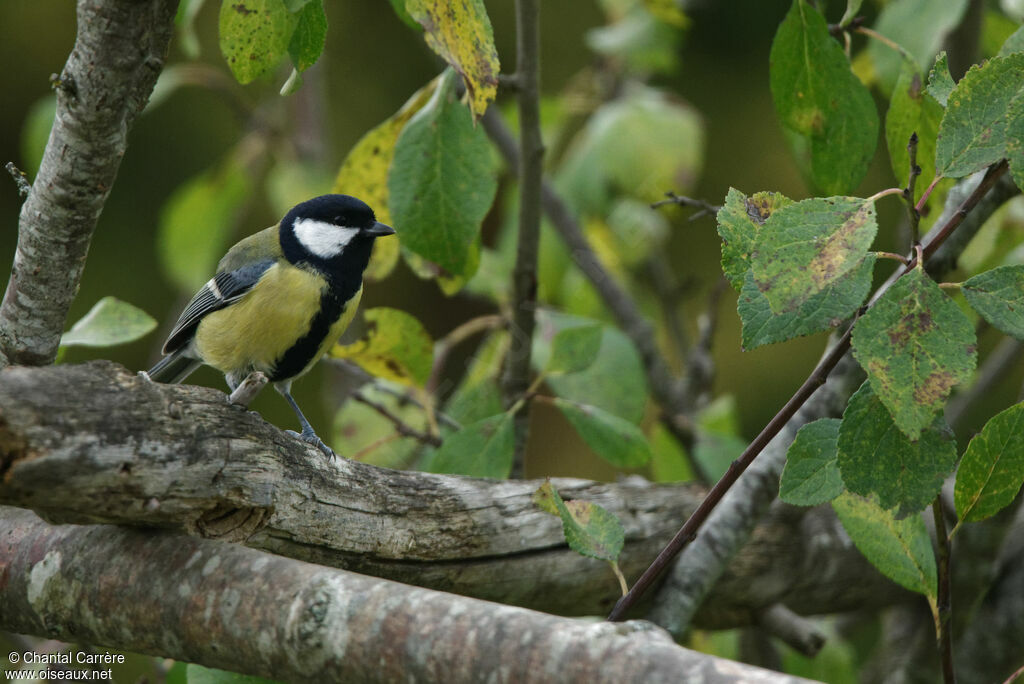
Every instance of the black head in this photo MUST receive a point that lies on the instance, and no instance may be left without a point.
(332, 233)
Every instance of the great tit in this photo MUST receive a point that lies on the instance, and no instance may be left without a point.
(279, 300)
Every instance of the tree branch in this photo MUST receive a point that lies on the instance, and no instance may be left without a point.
(94, 443)
(310, 623)
(106, 82)
(524, 277)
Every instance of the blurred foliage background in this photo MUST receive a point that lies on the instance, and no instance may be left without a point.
(371, 65)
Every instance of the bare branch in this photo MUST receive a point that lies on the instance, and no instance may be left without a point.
(524, 276)
(106, 82)
(94, 443)
(310, 623)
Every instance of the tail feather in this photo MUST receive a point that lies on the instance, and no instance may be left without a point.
(174, 368)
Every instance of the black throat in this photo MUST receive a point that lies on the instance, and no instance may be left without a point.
(344, 276)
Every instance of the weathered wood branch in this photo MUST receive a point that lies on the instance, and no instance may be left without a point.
(94, 443)
(107, 80)
(226, 606)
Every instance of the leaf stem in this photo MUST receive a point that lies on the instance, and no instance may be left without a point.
(944, 603)
(885, 40)
(524, 278)
(927, 193)
(892, 255)
(622, 578)
(885, 193)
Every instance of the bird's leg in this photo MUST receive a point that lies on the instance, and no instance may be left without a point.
(245, 391)
(308, 434)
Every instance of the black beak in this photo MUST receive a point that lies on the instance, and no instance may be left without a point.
(378, 229)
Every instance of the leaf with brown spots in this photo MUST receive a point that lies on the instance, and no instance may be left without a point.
(804, 248)
(589, 529)
(739, 221)
(460, 32)
(395, 347)
(254, 36)
(915, 344)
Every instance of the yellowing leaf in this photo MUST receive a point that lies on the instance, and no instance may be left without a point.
(395, 347)
(364, 174)
(460, 32)
(254, 35)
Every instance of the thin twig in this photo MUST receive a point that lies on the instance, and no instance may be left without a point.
(673, 395)
(444, 346)
(530, 172)
(817, 378)
(401, 427)
(703, 208)
(360, 374)
(20, 179)
(908, 192)
(943, 633)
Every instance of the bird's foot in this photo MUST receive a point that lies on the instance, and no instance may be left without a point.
(311, 438)
(248, 389)
(145, 376)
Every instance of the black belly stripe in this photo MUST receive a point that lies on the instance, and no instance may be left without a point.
(295, 360)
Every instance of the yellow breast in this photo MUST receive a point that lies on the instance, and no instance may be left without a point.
(256, 331)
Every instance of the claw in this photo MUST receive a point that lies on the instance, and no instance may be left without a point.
(311, 438)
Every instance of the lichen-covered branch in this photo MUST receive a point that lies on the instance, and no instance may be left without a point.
(94, 443)
(187, 600)
(107, 80)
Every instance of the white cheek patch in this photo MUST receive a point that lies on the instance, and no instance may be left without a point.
(323, 239)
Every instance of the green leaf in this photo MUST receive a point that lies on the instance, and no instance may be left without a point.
(574, 349)
(974, 130)
(900, 549)
(403, 14)
(254, 36)
(614, 439)
(310, 35)
(826, 112)
(590, 530)
(1015, 137)
(718, 442)
(739, 221)
(807, 246)
(998, 295)
(364, 174)
(460, 32)
(361, 432)
(481, 449)
(198, 220)
(912, 110)
(822, 311)
(615, 381)
(197, 674)
(442, 182)
(811, 475)
(940, 82)
(109, 322)
(35, 132)
(915, 344)
(901, 20)
(992, 469)
(852, 7)
(640, 41)
(1015, 43)
(395, 346)
(876, 458)
(638, 145)
(669, 462)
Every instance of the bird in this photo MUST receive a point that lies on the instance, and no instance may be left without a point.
(279, 300)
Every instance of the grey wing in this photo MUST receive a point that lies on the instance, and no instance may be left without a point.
(220, 291)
